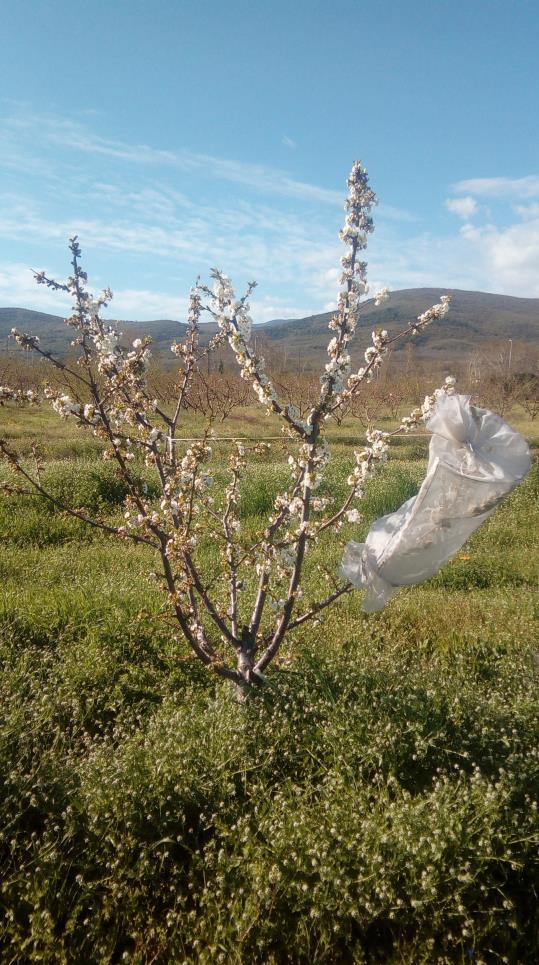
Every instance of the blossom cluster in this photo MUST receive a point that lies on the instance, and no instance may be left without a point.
(435, 312)
(353, 283)
(381, 296)
(26, 341)
(421, 414)
(7, 394)
(367, 458)
(232, 317)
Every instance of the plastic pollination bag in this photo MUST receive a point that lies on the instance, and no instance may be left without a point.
(475, 459)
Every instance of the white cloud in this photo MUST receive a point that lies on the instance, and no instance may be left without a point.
(527, 211)
(74, 136)
(137, 304)
(463, 207)
(272, 307)
(18, 289)
(510, 255)
(503, 252)
(503, 188)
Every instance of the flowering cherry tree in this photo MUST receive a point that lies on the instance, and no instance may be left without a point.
(235, 621)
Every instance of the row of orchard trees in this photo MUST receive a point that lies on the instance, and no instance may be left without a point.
(502, 375)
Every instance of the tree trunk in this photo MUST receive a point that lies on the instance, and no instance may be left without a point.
(249, 679)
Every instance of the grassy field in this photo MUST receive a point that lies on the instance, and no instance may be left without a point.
(377, 803)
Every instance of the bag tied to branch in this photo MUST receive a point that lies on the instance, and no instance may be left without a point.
(475, 460)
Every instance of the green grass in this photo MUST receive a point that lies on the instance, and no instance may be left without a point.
(376, 803)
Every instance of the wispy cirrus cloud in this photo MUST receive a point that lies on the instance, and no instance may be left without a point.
(176, 239)
(390, 212)
(248, 238)
(18, 289)
(501, 187)
(288, 142)
(72, 135)
(150, 219)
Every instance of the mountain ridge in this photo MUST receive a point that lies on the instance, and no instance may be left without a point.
(474, 319)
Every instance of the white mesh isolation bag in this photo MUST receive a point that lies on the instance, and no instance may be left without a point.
(475, 459)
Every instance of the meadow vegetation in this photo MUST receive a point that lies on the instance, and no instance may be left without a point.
(376, 802)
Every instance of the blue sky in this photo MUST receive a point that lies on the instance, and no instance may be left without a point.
(173, 136)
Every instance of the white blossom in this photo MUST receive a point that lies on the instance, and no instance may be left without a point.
(381, 296)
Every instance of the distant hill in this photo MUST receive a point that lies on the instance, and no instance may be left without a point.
(56, 336)
(474, 319)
